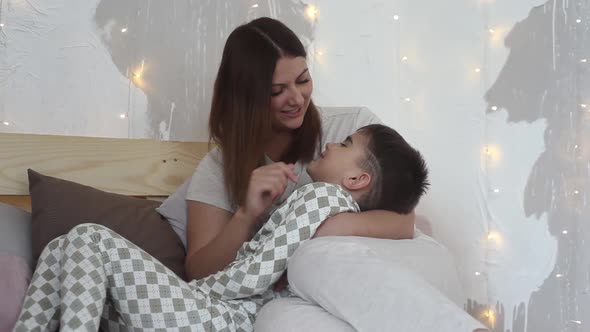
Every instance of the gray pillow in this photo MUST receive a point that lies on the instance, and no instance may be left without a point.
(15, 232)
(174, 210)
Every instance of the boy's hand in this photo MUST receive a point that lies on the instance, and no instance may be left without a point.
(281, 283)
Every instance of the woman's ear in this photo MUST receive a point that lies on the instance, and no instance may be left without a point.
(357, 181)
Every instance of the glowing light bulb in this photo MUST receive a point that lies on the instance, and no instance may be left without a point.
(576, 146)
(311, 11)
(576, 192)
(584, 60)
(578, 21)
(396, 17)
(491, 316)
(319, 53)
(255, 5)
(124, 30)
(559, 275)
(123, 116)
(477, 273)
(477, 70)
(492, 31)
(583, 105)
(1, 25)
(493, 154)
(407, 99)
(404, 58)
(576, 322)
(494, 108)
(495, 237)
(564, 232)
(139, 72)
(496, 190)
(6, 123)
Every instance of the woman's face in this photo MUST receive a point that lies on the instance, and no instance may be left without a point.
(291, 93)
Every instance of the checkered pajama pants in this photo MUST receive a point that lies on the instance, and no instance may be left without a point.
(93, 277)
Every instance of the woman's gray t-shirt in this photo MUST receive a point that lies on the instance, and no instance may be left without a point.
(208, 186)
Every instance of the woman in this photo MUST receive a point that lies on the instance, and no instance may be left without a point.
(261, 112)
(267, 129)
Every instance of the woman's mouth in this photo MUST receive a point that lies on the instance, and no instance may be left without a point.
(293, 113)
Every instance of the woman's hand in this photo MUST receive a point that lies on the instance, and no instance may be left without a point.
(267, 184)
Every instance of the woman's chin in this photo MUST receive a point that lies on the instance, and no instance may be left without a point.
(292, 124)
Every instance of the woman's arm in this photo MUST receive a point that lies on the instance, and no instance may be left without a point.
(214, 238)
(214, 235)
(376, 223)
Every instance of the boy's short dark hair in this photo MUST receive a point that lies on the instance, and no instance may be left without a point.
(399, 173)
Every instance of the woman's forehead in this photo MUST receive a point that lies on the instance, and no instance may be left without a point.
(288, 69)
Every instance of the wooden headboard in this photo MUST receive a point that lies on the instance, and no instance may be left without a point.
(135, 167)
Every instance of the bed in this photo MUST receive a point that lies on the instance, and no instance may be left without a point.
(41, 170)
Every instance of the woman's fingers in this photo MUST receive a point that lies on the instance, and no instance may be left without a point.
(287, 169)
(290, 171)
(267, 184)
(272, 184)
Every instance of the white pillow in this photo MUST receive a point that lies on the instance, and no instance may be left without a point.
(376, 285)
(174, 210)
(16, 262)
(423, 255)
(15, 232)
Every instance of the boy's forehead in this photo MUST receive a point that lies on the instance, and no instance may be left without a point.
(359, 137)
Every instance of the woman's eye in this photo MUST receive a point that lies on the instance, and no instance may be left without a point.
(303, 81)
(276, 93)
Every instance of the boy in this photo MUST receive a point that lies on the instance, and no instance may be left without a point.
(379, 169)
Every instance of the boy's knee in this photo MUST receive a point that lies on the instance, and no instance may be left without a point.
(87, 228)
(89, 231)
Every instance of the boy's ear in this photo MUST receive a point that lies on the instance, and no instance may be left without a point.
(357, 181)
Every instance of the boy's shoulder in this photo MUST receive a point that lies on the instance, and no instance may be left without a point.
(321, 189)
(319, 186)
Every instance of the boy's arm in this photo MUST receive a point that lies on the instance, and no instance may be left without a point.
(376, 223)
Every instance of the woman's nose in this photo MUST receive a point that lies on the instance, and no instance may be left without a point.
(296, 97)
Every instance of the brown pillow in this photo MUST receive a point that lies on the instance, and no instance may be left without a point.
(59, 205)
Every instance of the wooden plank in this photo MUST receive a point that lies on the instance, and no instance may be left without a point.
(24, 202)
(138, 167)
(21, 202)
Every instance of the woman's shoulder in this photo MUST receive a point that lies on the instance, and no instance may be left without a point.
(209, 168)
(336, 112)
(213, 158)
(339, 122)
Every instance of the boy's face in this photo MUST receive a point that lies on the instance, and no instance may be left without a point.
(339, 161)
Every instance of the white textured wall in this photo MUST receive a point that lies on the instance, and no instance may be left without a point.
(517, 218)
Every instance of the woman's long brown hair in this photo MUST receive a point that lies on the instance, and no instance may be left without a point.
(240, 119)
